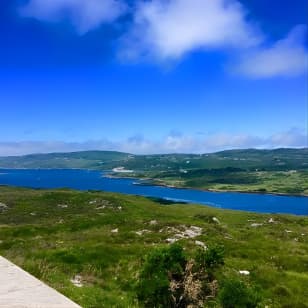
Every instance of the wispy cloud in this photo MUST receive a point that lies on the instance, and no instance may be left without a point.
(286, 57)
(172, 143)
(164, 31)
(168, 30)
(85, 15)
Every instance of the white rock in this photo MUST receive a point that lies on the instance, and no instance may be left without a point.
(199, 243)
(189, 233)
(153, 222)
(256, 225)
(196, 229)
(141, 232)
(192, 232)
(171, 240)
(179, 235)
(76, 281)
(288, 231)
(63, 206)
(3, 206)
(120, 208)
(215, 219)
(115, 230)
(244, 272)
(101, 207)
(271, 220)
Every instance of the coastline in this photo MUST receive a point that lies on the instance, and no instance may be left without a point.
(152, 182)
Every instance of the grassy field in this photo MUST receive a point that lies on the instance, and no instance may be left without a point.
(279, 182)
(101, 239)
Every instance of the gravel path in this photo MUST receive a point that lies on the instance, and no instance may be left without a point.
(19, 289)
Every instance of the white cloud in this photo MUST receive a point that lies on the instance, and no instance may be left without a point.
(172, 143)
(293, 138)
(85, 15)
(169, 29)
(286, 57)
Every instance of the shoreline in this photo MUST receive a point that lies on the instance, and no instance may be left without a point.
(152, 183)
(109, 174)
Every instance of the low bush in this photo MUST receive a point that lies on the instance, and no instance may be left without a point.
(236, 294)
(211, 258)
(161, 265)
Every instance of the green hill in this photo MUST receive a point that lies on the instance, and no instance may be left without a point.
(250, 170)
(101, 239)
(277, 159)
(83, 160)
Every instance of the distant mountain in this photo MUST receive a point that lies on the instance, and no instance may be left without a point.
(83, 160)
(248, 159)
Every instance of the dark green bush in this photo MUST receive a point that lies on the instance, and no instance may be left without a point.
(160, 266)
(235, 294)
(211, 258)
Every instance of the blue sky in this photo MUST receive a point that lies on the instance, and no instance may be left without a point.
(152, 76)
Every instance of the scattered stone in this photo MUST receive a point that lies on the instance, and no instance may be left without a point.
(303, 234)
(199, 243)
(244, 272)
(183, 231)
(296, 239)
(63, 206)
(101, 207)
(120, 208)
(256, 225)
(141, 232)
(288, 231)
(179, 235)
(171, 240)
(115, 230)
(153, 222)
(3, 206)
(193, 232)
(32, 214)
(215, 219)
(77, 281)
(100, 203)
(271, 220)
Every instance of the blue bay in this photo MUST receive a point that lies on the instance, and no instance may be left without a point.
(96, 180)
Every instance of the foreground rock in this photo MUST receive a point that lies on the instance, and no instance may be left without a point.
(3, 206)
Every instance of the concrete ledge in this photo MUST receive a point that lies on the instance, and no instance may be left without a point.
(19, 289)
